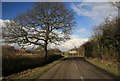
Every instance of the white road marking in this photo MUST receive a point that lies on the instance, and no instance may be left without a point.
(75, 66)
(0, 78)
(82, 78)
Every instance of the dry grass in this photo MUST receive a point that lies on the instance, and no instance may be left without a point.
(108, 66)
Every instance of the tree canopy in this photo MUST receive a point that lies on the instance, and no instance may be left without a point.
(44, 23)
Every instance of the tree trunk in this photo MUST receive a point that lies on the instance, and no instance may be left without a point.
(46, 52)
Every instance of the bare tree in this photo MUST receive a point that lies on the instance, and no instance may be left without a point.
(116, 4)
(43, 24)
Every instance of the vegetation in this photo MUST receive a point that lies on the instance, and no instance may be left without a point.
(45, 23)
(54, 51)
(49, 23)
(31, 74)
(104, 45)
(14, 61)
(105, 65)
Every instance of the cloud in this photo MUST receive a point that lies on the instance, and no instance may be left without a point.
(69, 44)
(97, 11)
(2, 22)
(29, 47)
(65, 46)
(82, 30)
(75, 41)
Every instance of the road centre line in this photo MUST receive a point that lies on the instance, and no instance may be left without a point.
(75, 66)
(82, 78)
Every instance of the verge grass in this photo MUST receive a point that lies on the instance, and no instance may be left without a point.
(105, 65)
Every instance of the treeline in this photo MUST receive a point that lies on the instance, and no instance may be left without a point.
(14, 61)
(105, 41)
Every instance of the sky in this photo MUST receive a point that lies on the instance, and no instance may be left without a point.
(87, 15)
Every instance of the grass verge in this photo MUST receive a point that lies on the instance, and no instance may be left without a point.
(31, 74)
(109, 67)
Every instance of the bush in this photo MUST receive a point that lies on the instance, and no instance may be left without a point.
(17, 63)
(14, 61)
(8, 50)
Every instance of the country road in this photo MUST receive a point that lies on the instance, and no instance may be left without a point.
(75, 68)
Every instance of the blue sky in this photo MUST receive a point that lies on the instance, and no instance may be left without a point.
(87, 14)
(11, 9)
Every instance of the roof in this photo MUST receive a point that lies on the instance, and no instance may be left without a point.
(74, 49)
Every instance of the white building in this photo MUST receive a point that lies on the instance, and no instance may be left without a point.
(73, 51)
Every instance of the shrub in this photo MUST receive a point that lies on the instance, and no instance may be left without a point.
(17, 63)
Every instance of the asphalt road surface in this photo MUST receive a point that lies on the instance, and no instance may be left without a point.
(75, 68)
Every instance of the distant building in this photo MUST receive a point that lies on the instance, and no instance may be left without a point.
(73, 51)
